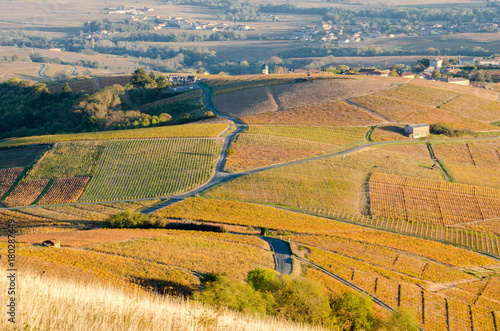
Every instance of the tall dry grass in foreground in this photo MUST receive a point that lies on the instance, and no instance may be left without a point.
(52, 303)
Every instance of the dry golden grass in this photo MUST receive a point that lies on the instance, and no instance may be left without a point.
(271, 98)
(90, 237)
(328, 114)
(86, 303)
(406, 112)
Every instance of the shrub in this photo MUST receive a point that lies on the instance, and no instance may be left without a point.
(441, 128)
(130, 219)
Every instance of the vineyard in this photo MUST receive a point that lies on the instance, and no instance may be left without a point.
(265, 145)
(64, 190)
(87, 85)
(459, 89)
(71, 159)
(247, 214)
(419, 94)
(433, 310)
(199, 251)
(317, 184)
(25, 193)
(174, 166)
(10, 174)
(271, 98)
(177, 131)
(433, 202)
(474, 107)
(327, 114)
(406, 112)
(225, 84)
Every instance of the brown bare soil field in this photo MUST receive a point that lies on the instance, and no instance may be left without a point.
(475, 107)
(271, 98)
(21, 156)
(87, 85)
(89, 237)
(328, 114)
(21, 70)
(406, 112)
(481, 93)
(419, 94)
(25, 193)
(389, 132)
(112, 80)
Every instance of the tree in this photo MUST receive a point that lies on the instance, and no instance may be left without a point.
(393, 73)
(402, 320)
(436, 74)
(162, 81)
(354, 312)
(139, 77)
(67, 89)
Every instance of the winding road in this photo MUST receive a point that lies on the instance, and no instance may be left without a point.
(282, 255)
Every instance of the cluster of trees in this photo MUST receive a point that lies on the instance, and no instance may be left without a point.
(300, 300)
(126, 25)
(28, 109)
(181, 37)
(234, 10)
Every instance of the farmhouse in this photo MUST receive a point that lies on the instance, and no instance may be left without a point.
(417, 130)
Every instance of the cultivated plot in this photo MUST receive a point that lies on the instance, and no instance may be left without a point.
(172, 166)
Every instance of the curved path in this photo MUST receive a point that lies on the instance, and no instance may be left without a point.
(282, 255)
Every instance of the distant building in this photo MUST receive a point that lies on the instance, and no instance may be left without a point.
(436, 63)
(265, 69)
(457, 81)
(408, 75)
(416, 131)
(466, 60)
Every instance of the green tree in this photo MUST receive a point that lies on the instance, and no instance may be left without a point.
(393, 73)
(67, 89)
(354, 312)
(139, 78)
(402, 320)
(162, 81)
(224, 292)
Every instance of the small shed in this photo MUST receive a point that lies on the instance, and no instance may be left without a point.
(52, 243)
(416, 131)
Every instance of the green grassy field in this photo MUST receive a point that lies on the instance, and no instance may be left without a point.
(172, 166)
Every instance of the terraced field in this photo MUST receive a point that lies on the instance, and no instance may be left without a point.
(173, 166)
